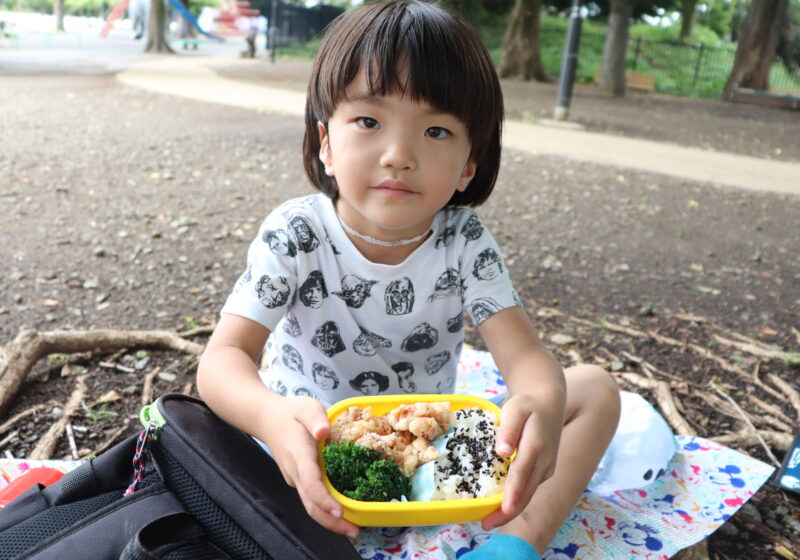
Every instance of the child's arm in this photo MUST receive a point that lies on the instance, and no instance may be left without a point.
(227, 379)
(532, 418)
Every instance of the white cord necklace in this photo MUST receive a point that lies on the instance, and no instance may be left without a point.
(374, 241)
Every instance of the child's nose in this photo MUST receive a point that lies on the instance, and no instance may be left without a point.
(399, 153)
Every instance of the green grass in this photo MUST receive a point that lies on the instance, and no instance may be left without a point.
(99, 413)
(699, 69)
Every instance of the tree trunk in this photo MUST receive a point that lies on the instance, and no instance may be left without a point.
(688, 17)
(787, 42)
(612, 75)
(520, 54)
(156, 29)
(757, 45)
(58, 12)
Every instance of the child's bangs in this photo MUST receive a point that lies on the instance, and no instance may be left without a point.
(417, 51)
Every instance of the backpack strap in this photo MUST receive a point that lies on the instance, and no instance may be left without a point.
(176, 531)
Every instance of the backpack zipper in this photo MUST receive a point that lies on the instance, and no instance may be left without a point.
(153, 421)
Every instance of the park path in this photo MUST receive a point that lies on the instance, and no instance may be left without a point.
(192, 77)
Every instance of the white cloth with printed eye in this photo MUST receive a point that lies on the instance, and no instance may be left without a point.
(640, 450)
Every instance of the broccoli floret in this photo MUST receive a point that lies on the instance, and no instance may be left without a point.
(346, 463)
(383, 483)
(359, 473)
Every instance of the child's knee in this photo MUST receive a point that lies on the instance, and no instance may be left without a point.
(596, 389)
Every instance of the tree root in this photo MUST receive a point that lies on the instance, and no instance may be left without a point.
(666, 402)
(45, 446)
(770, 431)
(19, 356)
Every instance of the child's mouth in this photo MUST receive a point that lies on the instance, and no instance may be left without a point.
(394, 188)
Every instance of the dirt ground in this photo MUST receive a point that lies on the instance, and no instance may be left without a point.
(128, 209)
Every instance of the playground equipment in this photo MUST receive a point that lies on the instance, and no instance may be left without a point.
(119, 9)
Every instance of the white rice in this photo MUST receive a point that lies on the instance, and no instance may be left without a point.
(469, 466)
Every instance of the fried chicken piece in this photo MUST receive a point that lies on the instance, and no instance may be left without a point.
(415, 455)
(401, 417)
(355, 422)
(387, 445)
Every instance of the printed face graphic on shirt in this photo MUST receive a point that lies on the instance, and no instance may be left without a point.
(277, 386)
(279, 242)
(313, 290)
(446, 237)
(245, 278)
(367, 343)
(324, 377)
(405, 371)
(448, 284)
(399, 297)
(435, 362)
(292, 359)
(488, 265)
(456, 323)
(306, 238)
(329, 242)
(445, 385)
(291, 326)
(273, 291)
(422, 337)
(370, 382)
(304, 392)
(483, 308)
(472, 229)
(355, 290)
(327, 339)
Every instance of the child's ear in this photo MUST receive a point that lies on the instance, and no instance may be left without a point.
(466, 176)
(325, 149)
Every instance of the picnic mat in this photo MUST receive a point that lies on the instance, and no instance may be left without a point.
(705, 484)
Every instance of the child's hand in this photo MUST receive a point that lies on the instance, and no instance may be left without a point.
(293, 429)
(535, 436)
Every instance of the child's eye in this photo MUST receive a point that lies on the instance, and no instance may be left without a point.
(437, 132)
(367, 122)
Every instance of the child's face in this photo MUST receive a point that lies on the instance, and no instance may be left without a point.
(396, 161)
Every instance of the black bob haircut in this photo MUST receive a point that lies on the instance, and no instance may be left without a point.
(447, 66)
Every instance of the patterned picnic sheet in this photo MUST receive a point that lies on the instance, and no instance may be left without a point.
(706, 483)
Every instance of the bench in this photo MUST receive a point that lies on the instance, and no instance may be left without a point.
(779, 99)
(634, 80)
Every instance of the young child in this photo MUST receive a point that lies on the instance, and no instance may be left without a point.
(403, 127)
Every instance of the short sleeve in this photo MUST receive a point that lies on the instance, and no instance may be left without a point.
(264, 291)
(485, 281)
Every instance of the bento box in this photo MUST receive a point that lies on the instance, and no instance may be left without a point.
(403, 514)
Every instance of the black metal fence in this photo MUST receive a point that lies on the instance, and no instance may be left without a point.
(293, 24)
(691, 70)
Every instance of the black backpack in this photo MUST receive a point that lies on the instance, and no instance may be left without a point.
(201, 490)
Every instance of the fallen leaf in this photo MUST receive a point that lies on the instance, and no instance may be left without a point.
(562, 339)
(707, 290)
(111, 396)
(766, 331)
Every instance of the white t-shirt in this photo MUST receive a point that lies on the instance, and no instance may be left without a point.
(343, 326)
